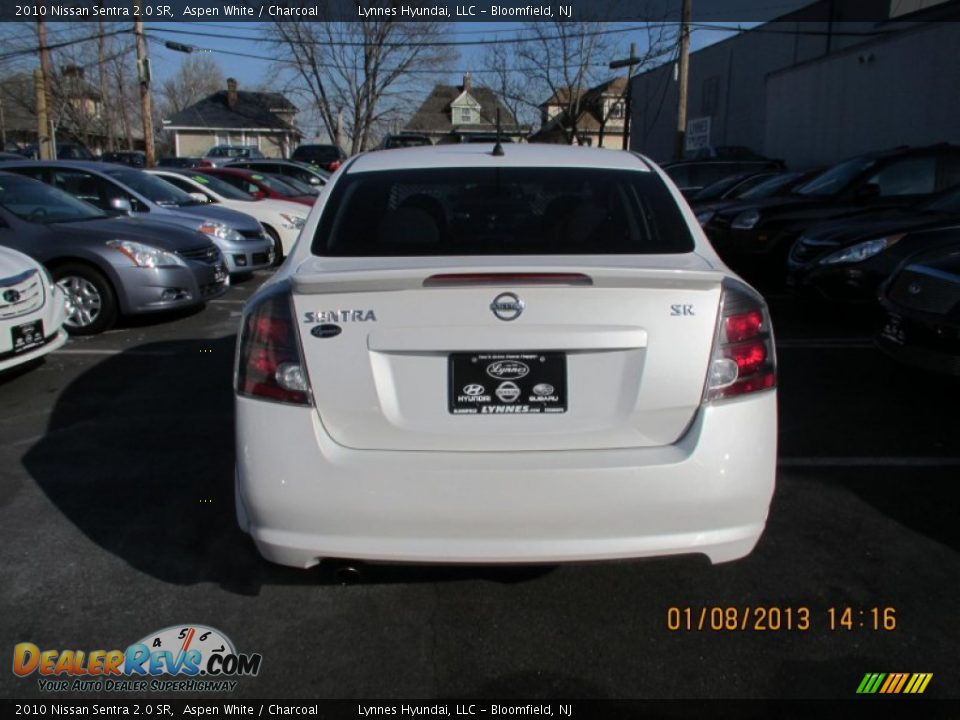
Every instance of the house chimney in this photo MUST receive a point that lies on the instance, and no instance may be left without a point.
(466, 82)
(231, 93)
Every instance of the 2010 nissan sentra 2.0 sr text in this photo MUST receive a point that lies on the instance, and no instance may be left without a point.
(526, 356)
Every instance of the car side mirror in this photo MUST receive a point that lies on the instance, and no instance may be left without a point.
(121, 206)
(258, 194)
(199, 197)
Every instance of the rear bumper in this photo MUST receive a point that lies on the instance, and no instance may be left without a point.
(304, 498)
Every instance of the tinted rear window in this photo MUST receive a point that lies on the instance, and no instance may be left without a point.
(317, 153)
(500, 211)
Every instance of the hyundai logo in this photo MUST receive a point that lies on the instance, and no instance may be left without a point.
(508, 369)
(11, 296)
(473, 389)
(507, 306)
(914, 288)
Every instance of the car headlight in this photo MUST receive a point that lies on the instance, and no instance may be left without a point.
(146, 255)
(220, 231)
(746, 220)
(861, 251)
(294, 222)
(705, 216)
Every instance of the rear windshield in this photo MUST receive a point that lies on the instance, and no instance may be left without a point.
(320, 153)
(500, 211)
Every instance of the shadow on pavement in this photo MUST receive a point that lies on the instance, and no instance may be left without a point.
(139, 455)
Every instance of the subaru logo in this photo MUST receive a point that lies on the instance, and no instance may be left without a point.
(507, 306)
(543, 389)
(508, 369)
(473, 389)
(11, 296)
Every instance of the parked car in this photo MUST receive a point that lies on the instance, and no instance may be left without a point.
(183, 162)
(10, 156)
(120, 190)
(692, 176)
(222, 154)
(403, 140)
(65, 151)
(309, 174)
(326, 157)
(133, 159)
(31, 309)
(107, 266)
(261, 186)
(757, 237)
(922, 299)
(779, 185)
(848, 259)
(730, 188)
(527, 357)
(281, 219)
(725, 152)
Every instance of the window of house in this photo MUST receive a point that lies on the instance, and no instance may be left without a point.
(616, 111)
(466, 115)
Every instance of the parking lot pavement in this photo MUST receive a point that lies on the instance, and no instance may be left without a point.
(116, 511)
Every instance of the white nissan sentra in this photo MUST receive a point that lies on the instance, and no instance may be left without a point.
(526, 354)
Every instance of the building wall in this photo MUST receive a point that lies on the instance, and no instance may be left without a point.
(727, 83)
(901, 90)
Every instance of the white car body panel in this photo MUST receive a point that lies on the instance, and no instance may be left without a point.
(39, 300)
(379, 469)
(268, 212)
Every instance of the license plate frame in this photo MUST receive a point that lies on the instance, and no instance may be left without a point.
(507, 383)
(27, 336)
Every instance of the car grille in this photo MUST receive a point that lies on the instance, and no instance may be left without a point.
(20, 294)
(922, 289)
(209, 255)
(253, 234)
(260, 258)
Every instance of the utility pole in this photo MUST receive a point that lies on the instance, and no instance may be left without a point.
(630, 63)
(42, 85)
(684, 68)
(106, 111)
(146, 106)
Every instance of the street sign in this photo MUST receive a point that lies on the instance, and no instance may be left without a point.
(698, 133)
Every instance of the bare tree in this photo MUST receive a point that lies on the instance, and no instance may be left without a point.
(559, 62)
(358, 75)
(197, 77)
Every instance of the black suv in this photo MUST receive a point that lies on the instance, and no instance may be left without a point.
(327, 157)
(755, 237)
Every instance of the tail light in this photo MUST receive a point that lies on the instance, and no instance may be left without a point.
(270, 365)
(744, 359)
(333, 166)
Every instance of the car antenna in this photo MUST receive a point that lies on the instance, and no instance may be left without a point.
(498, 148)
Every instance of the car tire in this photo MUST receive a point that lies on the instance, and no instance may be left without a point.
(91, 300)
(277, 245)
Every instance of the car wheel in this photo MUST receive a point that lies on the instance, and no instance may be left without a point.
(91, 301)
(277, 245)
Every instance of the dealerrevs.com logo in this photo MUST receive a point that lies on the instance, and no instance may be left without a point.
(201, 658)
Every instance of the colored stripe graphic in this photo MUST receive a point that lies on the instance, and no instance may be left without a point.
(894, 683)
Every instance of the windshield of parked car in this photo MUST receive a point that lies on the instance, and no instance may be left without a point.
(153, 188)
(835, 180)
(302, 187)
(720, 187)
(36, 202)
(317, 153)
(218, 186)
(770, 186)
(501, 211)
(949, 202)
(279, 186)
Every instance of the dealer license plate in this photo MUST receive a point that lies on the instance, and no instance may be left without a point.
(507, 383)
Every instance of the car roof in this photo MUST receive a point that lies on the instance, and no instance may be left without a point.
(481, 155)
(96, 166)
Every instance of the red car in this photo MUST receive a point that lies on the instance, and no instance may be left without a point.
(259, 185)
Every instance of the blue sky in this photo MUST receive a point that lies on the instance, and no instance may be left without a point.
(223, 38)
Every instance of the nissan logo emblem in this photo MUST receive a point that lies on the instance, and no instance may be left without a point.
(507, 306)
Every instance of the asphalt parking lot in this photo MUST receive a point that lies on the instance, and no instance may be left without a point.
(117, 517)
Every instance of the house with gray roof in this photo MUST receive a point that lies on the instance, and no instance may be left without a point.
(236, 117)
(455, 113)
